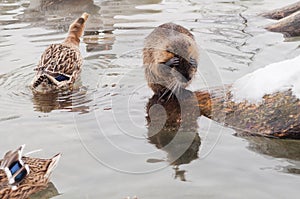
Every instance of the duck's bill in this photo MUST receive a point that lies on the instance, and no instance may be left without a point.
(85, 16)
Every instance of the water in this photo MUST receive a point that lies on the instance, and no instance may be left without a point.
(101, 128)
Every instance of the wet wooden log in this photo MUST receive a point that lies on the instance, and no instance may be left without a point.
(282, 12)
(289, 26)
(277, 116)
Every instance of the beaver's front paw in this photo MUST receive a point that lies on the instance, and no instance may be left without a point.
(173, 62)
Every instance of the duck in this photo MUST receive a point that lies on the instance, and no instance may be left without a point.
(60, 64)
(22, 176)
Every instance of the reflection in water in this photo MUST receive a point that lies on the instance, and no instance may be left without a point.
(98, 41)
(278, 148)
(104, 38)
(59, 14)
(73, 102)
(173, 128)
(47, 193)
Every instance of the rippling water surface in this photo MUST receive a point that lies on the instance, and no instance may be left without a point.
(101, 128)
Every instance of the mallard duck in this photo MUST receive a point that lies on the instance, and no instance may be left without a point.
(60, 64)
(22, 176)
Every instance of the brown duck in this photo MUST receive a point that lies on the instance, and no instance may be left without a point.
(60, 64)
(22, 176)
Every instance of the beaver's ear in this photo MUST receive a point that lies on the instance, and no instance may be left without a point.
(80, 20)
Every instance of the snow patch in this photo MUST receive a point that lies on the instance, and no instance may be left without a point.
(274, 77)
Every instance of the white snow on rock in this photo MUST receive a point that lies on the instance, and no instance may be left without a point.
(275, 77)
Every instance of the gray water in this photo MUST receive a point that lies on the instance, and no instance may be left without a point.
(101, 128)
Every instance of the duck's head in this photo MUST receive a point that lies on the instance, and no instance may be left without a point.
(76, 28)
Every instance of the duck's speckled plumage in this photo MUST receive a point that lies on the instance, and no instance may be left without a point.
(58, 59)
(60, 64)
(36, 178)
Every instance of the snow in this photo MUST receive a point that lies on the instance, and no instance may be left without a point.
(274, 77)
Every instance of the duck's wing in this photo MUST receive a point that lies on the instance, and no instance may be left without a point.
(60, 62)
(14, 168)
(42, 166)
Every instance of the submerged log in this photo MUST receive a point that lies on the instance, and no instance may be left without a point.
(282, 12)
(289, 20)
(289, 26)
(278, 115)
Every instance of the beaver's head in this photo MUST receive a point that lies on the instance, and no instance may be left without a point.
(170, 58)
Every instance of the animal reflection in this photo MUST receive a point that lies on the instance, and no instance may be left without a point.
(277, 148)
(173, 128)
(98, 35)
(74, 102)
(49, 192)
(59, 14)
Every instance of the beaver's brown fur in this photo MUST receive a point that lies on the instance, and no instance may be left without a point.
(170, 57)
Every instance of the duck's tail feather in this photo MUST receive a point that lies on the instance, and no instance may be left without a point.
(52, 165)
(40, 79)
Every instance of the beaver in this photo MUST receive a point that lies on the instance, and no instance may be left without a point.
(170, 58)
